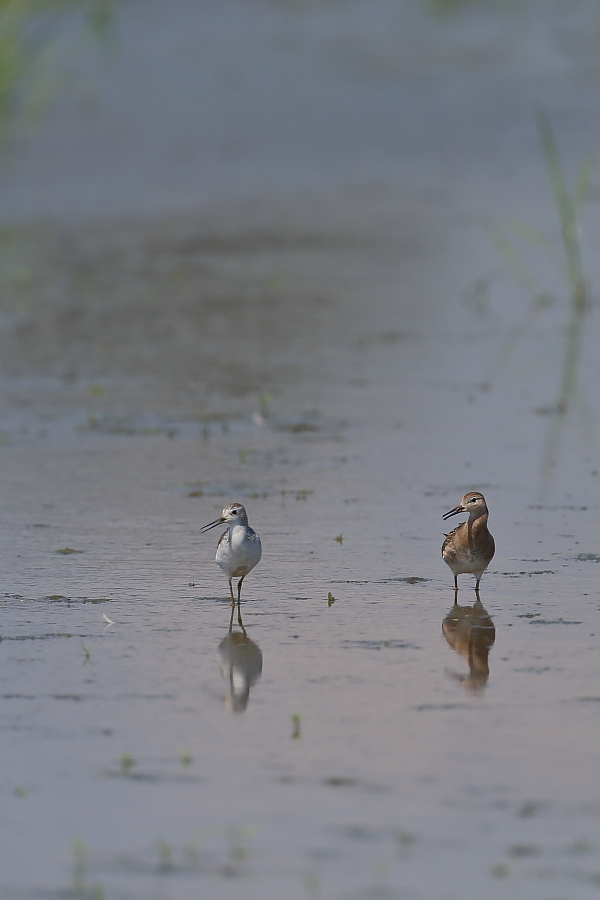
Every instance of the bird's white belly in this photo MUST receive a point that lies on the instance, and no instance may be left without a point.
(237, 555)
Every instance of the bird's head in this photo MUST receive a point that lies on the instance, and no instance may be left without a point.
(234, 514)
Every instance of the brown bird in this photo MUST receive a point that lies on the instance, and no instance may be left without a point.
(470, 547)
(470, 631)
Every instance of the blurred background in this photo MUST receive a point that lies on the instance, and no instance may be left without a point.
(337, 260)
(162, 165)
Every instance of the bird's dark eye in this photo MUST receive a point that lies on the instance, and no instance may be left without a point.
(473, 500)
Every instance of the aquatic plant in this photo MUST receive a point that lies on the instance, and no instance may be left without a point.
(80, 887)
(126, 762)
(27, 35)
(296, 726)
(186, 759)
(568, 203)
(165, 856)
(312, 886)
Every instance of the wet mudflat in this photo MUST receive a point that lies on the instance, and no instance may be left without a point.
(384, 744)
(324, 362)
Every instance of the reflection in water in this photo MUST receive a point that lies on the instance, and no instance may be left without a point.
(470, 631)
(240, 660)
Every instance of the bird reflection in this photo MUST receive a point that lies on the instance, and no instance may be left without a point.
(470, 631)
(240, 661)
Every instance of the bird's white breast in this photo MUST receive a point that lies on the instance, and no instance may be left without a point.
(238, 549)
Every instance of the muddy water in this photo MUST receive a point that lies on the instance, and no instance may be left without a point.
(319, 359)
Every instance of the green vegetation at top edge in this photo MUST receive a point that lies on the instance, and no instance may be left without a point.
(27, 31)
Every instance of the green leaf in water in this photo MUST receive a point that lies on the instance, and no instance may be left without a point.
(127, 762)
(296, 730)
(165, 856)
(528, 234)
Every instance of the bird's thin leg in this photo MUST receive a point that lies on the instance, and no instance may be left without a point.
(477, 588)
(231, 618)
(239, 599)
(231, 592)
(455, 587)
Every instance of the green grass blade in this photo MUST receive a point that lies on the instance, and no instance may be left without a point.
(566, 213)
(583, 180)
(511, 257)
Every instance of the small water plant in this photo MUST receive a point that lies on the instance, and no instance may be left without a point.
(296, 726)
(165, 856)
(126, 762)
(79, 886)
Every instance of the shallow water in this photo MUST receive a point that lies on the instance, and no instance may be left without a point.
(314, 355)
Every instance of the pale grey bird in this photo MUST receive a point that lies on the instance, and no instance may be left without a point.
(469, 548)
(240, 661)
(239, 548)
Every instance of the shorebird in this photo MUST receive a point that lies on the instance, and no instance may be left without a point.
(470, 547)
(470, 631)
(239, 548)
(240, 661)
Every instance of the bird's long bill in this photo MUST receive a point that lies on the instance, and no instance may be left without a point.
(454, 512)
(214, 524)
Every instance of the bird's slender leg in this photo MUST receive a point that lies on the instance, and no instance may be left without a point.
(455, 587)
(239, 598)
(477, 588)
(231, 619)
(231, 592)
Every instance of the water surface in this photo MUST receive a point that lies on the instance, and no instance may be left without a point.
(293, 327)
